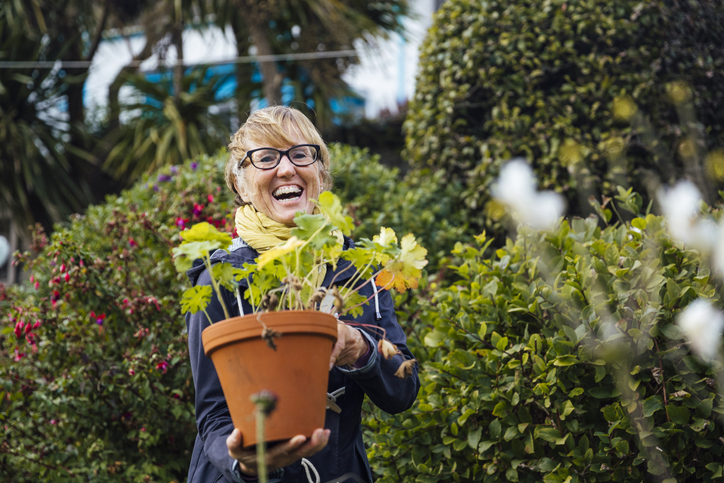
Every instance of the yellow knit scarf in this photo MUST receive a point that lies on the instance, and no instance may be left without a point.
(258, 230)
(262, 233)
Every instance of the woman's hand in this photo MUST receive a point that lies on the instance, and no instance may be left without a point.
(278, 456)
(350, 346)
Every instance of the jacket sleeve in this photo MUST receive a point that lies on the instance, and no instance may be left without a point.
(213, 419)
(377, 379)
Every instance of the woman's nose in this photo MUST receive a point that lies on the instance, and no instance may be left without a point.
(285, 168)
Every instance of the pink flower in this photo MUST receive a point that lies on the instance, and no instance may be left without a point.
(143, 429)
(131, 372)
(181, 222)
(210, 198)
(18, 355)
(198, 209)
(62, 268)
(132, 242)
(36, 324)
(67, 277)
(53, 421)
(37, 285)
(163, 365)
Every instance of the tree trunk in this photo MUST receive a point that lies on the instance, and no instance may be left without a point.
(271, 77)
(177, 40)
(244, 71)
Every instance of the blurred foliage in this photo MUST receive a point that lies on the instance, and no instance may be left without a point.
(502, 79)
(39, 166)
(556, 358)
(377, 196)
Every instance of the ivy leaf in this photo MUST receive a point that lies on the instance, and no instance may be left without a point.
(331, 208)
(196, 298)
(206, 232)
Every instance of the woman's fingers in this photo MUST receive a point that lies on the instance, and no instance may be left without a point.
(349, 347)
(279, 455)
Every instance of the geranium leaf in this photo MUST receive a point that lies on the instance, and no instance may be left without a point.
(196, 298)
(206, 232)
(332, 209)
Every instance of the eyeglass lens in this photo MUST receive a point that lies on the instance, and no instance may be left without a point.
(270, 157)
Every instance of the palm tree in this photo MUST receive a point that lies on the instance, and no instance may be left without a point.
(38, 174)
(292, 26)
(168, 129)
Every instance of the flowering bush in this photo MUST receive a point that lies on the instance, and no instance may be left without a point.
(96, 384)
(94, 378)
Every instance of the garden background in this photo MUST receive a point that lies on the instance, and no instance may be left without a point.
(548, 351)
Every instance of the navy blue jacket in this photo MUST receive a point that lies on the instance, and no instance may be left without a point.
(345, 452)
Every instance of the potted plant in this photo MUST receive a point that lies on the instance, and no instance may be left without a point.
(284, 345)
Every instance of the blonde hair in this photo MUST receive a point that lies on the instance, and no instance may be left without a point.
(272, 126)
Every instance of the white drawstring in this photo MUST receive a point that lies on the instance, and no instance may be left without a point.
(378, 315)
(238, 299)
(307, 466)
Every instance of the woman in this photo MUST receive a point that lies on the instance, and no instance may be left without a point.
(278, 166)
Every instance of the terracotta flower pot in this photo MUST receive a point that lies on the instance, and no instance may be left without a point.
(297, 371)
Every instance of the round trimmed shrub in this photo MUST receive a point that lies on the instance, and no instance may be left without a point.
(503, 79)
(557, 358)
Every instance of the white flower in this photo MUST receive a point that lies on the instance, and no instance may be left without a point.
(680, 205)
(516, 187)
(702, 325)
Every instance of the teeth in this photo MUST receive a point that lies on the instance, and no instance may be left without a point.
(285, 190)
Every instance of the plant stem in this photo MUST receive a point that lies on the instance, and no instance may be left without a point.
(260, 446)
(217, 289)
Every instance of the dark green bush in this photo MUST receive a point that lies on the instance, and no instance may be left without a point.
(500, 79)
(556, 358)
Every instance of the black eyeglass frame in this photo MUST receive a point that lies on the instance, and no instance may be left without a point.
(316, 147)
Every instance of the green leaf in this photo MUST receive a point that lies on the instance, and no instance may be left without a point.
(196, 298)
(315, 229)
(565, 361)
(547, 433)
(653, 404)
(679, 414)
(331, 207)
(474, 438)
(204, 231)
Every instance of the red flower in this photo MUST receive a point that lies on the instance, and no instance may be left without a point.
(131, 372)
(198, 209)
(132, 242)
(98, 319)
(163, 366)
(210, 198)
(181, 222)
(67, 277)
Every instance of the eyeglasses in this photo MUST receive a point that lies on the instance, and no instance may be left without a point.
(269, 158)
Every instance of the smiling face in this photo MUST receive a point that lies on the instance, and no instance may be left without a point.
(281, 192)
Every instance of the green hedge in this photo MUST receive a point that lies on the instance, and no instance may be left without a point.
(500, 79)
(556, 358)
